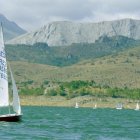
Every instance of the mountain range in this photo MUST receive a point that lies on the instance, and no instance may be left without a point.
(10, 29)
(105, 52)
(81, 41)
(64, 33)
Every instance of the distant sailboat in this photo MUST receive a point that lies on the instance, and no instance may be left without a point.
(95, 106)
(76, 105)
(119, 106)
(4, 93)
(137, 107)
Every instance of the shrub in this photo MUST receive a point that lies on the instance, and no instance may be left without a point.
(46, 82)
(52, 92)
(84, 92)
(32, 91)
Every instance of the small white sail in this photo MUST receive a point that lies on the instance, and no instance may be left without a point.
(4, 96)
(76, 105)
(16, 101)
(137, 107)
(95, 106)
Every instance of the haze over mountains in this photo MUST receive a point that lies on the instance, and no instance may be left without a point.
(10, 29)
(63, 33)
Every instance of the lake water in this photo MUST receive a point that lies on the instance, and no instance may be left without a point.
(61, 123)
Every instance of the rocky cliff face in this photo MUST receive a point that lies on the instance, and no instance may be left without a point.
(65, 33)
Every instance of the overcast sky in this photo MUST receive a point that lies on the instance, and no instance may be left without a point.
(32, 14)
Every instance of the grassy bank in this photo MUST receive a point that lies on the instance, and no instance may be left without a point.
(83, 101)
(118, 70)
(86, 93)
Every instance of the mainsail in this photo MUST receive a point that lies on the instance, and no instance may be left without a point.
(76, 105)
(137, 107)
(4, 96)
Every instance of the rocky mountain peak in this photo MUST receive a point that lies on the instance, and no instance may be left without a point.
(62, 33)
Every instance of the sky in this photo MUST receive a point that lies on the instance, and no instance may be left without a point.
(32, 14)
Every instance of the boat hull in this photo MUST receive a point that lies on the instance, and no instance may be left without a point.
(10, 118)
(119, 108)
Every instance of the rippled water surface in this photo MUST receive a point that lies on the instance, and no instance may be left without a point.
(58, 123)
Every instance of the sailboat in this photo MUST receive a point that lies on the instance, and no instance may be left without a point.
(119, 106)
(4, 93)
(76, 105)
(137, 107)
(95, 106)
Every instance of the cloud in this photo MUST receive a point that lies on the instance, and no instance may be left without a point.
(31, 14)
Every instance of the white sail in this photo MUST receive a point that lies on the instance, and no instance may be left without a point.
(76, 105)
(4, 96)
(95, 106)
(137, 107)
(16, 101)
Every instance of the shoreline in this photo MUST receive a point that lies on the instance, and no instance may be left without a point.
(83, 101)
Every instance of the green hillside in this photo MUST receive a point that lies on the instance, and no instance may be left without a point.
(64, 56)
(119, 70)
(114, 76)
(107, 69)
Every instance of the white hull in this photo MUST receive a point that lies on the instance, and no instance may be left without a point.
(118, 108)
